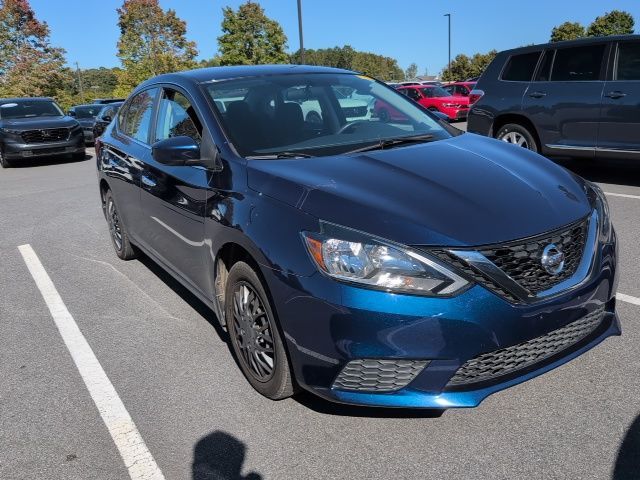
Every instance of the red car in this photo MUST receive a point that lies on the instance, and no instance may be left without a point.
(438, 99)
(460, 89)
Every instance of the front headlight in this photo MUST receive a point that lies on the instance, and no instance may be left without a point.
(10, 132)
(355, 257)
(604, 218)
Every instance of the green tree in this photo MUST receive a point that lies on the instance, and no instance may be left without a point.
(411, 72)
(567, 31)
(463, 66)
(615, 22)
(152, 41)
(29, 64)
(378, 66)
(249, 37)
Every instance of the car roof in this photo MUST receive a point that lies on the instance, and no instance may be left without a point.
(31, 99)
(573, 43)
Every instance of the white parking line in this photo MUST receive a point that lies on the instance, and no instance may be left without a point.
(134, 452)
(628, 298)
(623, 195)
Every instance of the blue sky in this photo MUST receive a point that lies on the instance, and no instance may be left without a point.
(412, 31)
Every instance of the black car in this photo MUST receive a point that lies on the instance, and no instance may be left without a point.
(86, 117)
(578, 98)
(106, 114)
(35, 127)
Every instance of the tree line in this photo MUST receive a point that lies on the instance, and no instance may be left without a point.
(153, 41)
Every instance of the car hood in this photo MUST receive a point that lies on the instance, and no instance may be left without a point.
(37, 122)
(464, 191)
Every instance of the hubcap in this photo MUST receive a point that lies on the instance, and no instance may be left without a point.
(515, 138)
(114, 224)
(252, 333)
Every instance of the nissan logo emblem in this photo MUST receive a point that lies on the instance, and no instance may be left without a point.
(552, 259)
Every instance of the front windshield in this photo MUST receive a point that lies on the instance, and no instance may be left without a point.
(26, 109)
(431, 92)
(316, 114)
(88, 111)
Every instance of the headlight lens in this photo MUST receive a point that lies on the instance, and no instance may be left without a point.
(604, 218)
(10, 132)
(355, 257)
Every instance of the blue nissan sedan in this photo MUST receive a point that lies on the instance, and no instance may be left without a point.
(394, 262)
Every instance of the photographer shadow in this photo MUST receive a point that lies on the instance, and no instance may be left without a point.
(220, 456)
(628, 461)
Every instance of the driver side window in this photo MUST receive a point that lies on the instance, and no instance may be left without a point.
(177, 117)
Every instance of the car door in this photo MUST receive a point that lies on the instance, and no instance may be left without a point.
(124, 152)
(174, 198)
(619, 132)
(564, 100)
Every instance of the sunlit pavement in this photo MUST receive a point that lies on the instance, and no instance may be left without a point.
(199, 418)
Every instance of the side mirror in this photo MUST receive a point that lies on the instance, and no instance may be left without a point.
(176, 151)
(107, 118)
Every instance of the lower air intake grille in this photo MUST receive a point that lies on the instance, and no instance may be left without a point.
(498, 363)
(370, 375)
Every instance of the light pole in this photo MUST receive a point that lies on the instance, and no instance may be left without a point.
(80, 82)
(449, 67)
(300, 31)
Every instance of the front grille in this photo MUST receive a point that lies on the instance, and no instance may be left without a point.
(522, 260)
(506, 361)
(351, 112)
(371, 375)
(45, 135)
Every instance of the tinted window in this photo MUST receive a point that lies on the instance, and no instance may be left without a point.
(135, 118)
(176, 117)
(544, 72)
(628, 61)
(520, 67)
(577, 64)
(89, 111)
(413, 94)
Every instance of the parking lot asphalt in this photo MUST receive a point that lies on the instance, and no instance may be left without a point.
(200, 419)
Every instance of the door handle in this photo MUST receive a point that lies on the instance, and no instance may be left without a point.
(615, 94)
(537, 94)
(148, 182)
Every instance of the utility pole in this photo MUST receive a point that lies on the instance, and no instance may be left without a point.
(449, 67)
(300, 31)
(80, 82)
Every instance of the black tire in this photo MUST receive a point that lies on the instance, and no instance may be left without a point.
(384, 115)
(254, 335)
(117, 230)
(4, 163)
(79, 156)
(516, 134)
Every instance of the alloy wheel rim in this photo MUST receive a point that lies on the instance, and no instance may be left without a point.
(252, 332)
(114, 225)
(516, 139)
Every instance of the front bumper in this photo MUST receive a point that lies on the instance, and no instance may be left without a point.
(14, 149)
(88, 134)
(327, 325)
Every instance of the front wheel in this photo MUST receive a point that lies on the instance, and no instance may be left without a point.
(4, 163)
(254, 335)
(517, 135)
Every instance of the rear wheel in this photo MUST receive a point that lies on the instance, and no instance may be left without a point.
(119, 236)
(517, 135)
(254, 335)
(78, 156)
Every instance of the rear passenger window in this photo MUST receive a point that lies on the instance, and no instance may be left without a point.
(628, 61)
(135, 119)
(520, 67)
(578, 64)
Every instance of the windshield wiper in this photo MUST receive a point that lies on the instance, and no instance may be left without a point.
(394, 142)
(280, 155)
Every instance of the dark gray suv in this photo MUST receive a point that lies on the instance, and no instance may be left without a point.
(36, 127)
(568, 99)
